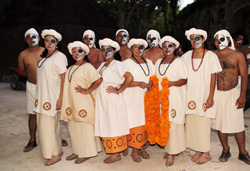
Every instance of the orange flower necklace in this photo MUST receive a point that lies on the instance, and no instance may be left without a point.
(157, 123)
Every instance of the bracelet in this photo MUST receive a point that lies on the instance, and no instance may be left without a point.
(116, 90)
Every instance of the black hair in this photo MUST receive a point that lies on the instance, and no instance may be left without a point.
(45, 52)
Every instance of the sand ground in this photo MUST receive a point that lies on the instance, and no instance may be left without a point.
(14, 136)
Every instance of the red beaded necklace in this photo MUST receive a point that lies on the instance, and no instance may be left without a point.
(200, 62)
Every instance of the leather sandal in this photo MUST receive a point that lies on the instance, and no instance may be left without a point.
(30, 146)
(225, 155)
(244, 157)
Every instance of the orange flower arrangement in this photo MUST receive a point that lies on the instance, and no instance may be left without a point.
(157, 124)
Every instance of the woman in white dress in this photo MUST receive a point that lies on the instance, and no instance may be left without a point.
(51, 70)
(141, 69)
(78, 106)
(111, 122)
(173, 67)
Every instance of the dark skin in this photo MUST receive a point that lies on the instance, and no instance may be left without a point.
(233, 64)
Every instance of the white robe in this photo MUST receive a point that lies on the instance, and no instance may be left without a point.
(198, 83)
(177, 98)
(49, 83)
(134, 96)
(111, 118)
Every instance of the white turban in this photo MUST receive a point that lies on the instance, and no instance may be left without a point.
(109, 42)
(89, 32)
(31, 31)
(118, 31)
(169, 39)
(51, 32)
(226, 34)
(137, 42)
(78, 44)
(154, 32)
(192, 31)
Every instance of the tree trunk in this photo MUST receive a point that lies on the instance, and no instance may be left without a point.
(121, 11)
(164, 8)
(141, 12)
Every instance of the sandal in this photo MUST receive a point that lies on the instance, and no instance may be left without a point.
(71, 157)
(125, 152)
(64, 143)
(52, 161)
(80, 160)
(143, 153)
(203, 159)
(136, 157)
(196, 157)
(112, 158)
(30, 146)
(244, 157)
(225, 155)
(170, 160)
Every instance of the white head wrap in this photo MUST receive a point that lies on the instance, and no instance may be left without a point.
(169, 39)
(89, 32)
(226, 34)
(109, 42)
(137, 42)
(154, 32)
(118, 31)
(192, 31)
(31, 31)
(78, 44)
(51, 32)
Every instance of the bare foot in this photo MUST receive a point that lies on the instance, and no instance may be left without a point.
(170, 160)
(204, 158)
(143, 153)
(125, 152)
(80, 160)
(113, 158)
(72, 157)
(136, 157)
(196, 156)
(53, 160)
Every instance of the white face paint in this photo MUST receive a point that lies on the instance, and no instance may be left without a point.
(80, 54)
(223, 42)
(153, 40)
(170, 48)
(141, 50)
(91, 40)
(109, 52)
(198, 41)
(124, 38)
(34, 39)
(52, 43)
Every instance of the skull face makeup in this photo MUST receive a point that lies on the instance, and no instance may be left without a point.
(80, 54)
(34, 39)
(91, 41)
(170, 48)
(50, 43)
(197, 41)
(124, 38)
(141, 50)
(153, 40)
(109, 52)
(223, 42)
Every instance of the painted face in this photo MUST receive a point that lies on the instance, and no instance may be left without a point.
(78, 53)
(223, 41)
(124, 38)
(141, 50)
(137, 49)
(50, 42)
(33, 39)
(108, 51)
(168, 48)
(153, 40)
(91, 41)
(197, 41)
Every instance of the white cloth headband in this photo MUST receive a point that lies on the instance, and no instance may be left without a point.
(169, 39)
(51, 32)
(109, 42)
(118, 31)
(226, 34)
(31, 31)
(89, 32)
(78, 44)
(192, 31)
(137, 42)
(154, 32)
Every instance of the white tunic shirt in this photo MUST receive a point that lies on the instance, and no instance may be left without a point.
(177, 98)
(49, 83)
(134, 96)
(198, 83)
(111, 114)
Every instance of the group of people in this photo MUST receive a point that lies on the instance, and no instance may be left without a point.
(101, 96)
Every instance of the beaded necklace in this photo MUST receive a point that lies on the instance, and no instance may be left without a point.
(167, 66)
(70, 76)
(45, 59)
(200, 62)
(141, 66)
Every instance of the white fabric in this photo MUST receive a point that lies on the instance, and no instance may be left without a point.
(177, 98)
(75, 102)
(229, 119)
(31, 31)
(123, 30)
(153, 32)
(198, 83)
(83, 141)
(137, 42)
(49, 83)
(193, 31)
(169, 39)
(111, 118)
(88, 32)
(226, 34)
(78, 44)
(134, 96)
(30, 97)
(51, 32)
(109, 42)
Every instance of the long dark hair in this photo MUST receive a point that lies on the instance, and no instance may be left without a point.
(45, 52)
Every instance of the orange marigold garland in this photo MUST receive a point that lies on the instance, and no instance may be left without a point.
(157, 125)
